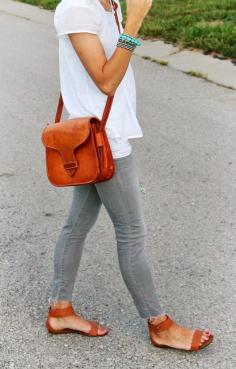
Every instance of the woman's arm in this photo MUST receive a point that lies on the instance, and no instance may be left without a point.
(107, 74)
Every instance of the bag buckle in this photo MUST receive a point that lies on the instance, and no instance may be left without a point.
(71, 168)
(72, 165)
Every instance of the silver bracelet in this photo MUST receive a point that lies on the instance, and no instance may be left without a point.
(126, 45)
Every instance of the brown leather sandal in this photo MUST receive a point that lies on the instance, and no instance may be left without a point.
(55, 312)
(196, 340)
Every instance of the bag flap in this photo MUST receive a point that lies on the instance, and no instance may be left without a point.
(65, 137)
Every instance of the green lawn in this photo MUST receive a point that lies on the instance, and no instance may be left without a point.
(206, 24)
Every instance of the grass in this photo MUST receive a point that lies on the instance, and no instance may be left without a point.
(161, 62)
(46, 4)
(203, 24)
(196, 74)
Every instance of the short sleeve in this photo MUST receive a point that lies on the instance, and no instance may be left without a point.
(84, 17)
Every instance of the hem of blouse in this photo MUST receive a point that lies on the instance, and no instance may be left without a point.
(123, 155)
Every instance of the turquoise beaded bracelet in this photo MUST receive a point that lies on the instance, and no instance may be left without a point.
(126, 38)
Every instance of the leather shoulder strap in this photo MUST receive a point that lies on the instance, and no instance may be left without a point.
(109, 101)
(115, 6)
(59, 109)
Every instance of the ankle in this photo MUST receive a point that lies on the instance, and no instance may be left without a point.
(60, 304)
(157, 319)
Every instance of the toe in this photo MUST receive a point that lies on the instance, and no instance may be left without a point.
(204, 337)
(102, 330)
(207, 333)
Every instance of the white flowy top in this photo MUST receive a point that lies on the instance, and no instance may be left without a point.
(80, 94)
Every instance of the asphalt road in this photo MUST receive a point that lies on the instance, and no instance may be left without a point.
(187, 167)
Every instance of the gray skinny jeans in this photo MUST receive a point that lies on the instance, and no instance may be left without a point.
(122, 200)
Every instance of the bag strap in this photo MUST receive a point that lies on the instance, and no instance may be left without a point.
(109, 101)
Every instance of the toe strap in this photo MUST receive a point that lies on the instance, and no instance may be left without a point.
(196, 341)
(94, 328)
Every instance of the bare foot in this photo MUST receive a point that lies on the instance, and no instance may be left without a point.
(175, 336)
(76, 322)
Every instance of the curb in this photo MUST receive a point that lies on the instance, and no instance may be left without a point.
(195, 63)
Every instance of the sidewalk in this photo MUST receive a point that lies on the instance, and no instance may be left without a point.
(222, 72)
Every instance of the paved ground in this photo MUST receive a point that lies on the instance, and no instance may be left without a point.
(187, 166)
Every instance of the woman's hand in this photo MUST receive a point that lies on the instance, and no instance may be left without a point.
(136, 12)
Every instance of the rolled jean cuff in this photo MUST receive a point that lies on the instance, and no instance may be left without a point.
(153, 315)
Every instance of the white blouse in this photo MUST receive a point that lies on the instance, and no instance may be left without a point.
(80, 94)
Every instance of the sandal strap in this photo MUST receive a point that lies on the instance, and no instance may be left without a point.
(62, 312)
(196, 341)
(161, 326)
(94, 328)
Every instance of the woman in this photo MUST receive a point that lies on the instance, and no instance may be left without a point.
(93, 65)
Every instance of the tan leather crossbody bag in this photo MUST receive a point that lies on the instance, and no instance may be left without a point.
(78, 150)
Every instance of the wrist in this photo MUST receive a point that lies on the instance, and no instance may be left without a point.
(132, 28)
